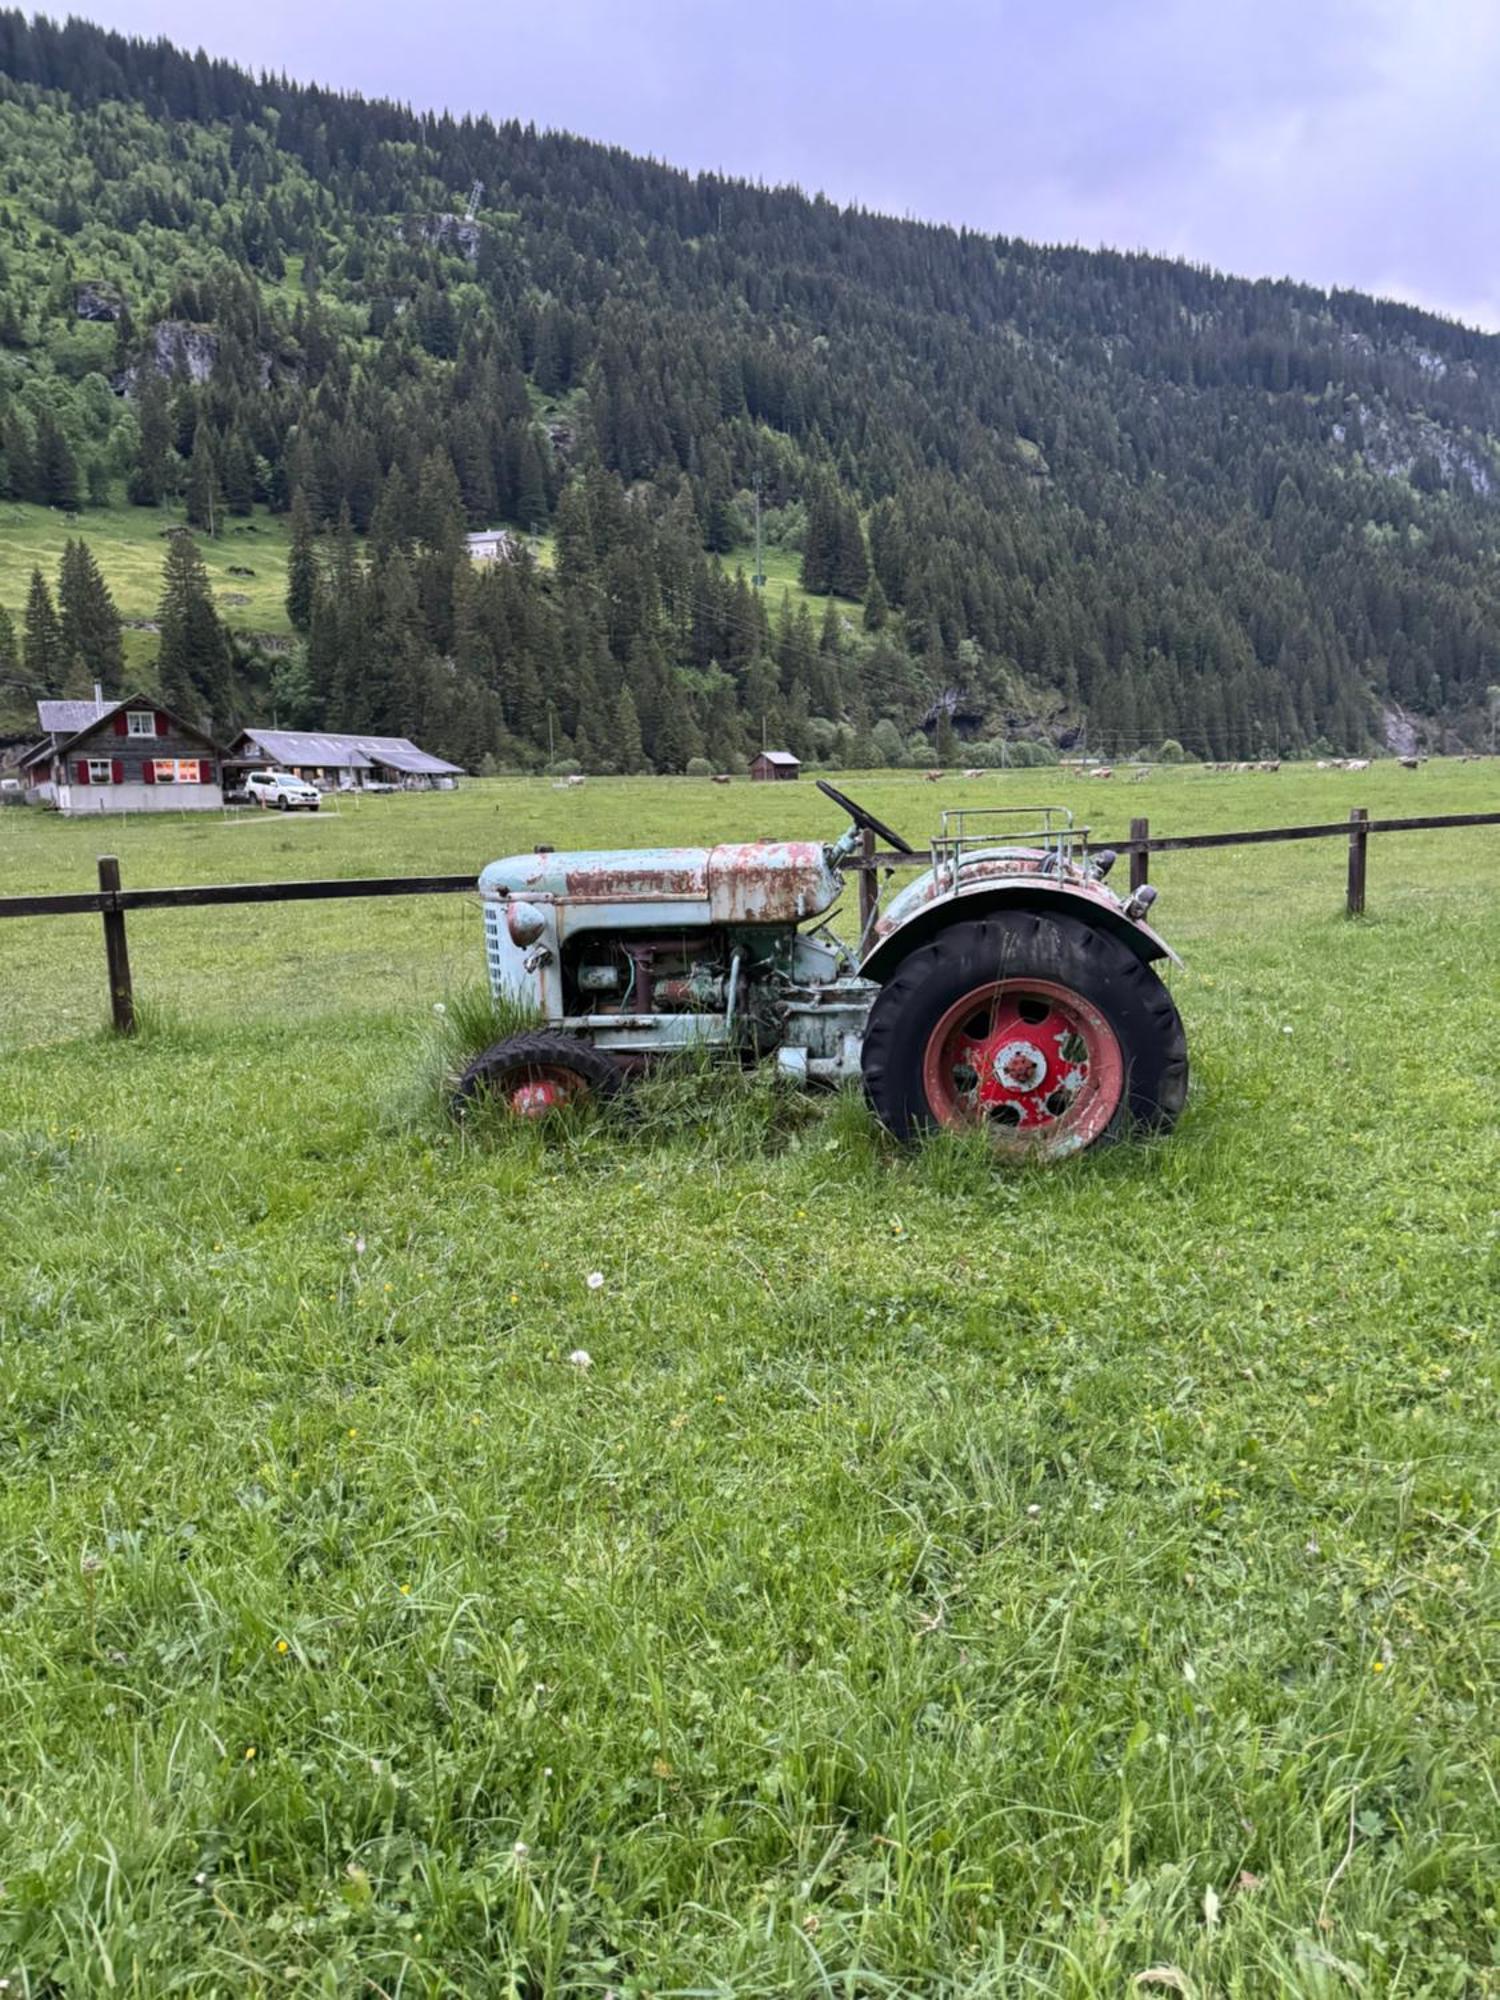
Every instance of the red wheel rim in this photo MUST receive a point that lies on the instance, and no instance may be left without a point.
(1031, 1061)
(540, 1088)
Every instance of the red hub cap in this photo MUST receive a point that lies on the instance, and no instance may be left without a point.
(1032, 1061)
(533, 1092)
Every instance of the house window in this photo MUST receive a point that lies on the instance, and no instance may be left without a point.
(100, 771)
(177, 770)
(140, 722)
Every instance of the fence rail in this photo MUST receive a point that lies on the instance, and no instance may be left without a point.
(111, 900)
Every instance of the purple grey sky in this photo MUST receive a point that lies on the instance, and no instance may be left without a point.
(1347, 142)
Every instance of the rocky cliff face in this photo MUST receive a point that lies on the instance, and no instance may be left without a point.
(97, 301)
(177, 343)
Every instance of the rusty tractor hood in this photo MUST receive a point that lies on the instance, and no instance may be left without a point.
(754, 882)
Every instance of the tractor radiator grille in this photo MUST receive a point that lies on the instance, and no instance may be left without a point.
(492, 946)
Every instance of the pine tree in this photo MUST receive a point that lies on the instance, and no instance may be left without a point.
(18, 478)
(154, 475)
(88, 621)
(877, 610)
(205, 501)
(851, 569)
(239, 474)
(43, 649)
(10, 652)
(54, 468)
(531, 486)
(301, 566)
(194, 662)
(629, 753)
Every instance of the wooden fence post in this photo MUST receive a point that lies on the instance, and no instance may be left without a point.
(1359, 840)
(121, 994)
(869, 888)
(1140, 861)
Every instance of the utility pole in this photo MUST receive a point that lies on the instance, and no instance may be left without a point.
(759, 578)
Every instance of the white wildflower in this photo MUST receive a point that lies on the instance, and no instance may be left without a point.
(520, 1850)
(359, 1246)
(1033, 1512)
(581, 1359)
(438, 1008)
(594, 1280)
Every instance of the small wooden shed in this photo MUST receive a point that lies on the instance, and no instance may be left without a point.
(773, 765)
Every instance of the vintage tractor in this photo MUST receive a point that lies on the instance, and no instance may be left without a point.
(1006, 986)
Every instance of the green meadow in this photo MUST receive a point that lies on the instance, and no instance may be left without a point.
(129, 544)
(703, 1549)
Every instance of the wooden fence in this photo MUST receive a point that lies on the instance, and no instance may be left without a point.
(112, 900)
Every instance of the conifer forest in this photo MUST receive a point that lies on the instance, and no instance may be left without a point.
(1012, 500)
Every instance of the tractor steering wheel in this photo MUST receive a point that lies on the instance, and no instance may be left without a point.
(862, 818)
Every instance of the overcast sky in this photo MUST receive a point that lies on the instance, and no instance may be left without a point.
(1346, 142)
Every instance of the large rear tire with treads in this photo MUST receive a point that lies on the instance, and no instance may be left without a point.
(1049, 1034)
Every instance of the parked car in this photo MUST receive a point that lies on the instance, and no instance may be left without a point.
(282, 790)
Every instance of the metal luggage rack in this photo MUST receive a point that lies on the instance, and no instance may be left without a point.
(1050, 828)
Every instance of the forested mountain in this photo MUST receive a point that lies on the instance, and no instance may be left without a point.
(1043, 491)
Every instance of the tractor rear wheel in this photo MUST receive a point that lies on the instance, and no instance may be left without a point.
(1046, 1033)
(535, 1074)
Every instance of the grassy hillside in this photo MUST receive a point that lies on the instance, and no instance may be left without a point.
(128, 544)
(936, 1583)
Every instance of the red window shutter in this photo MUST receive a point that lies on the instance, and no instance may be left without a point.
(162, 723)
(205, 771)
(148, 772)
(121, 725)
(117, 771)
(83, 770)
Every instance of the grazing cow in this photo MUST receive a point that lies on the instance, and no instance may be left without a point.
(1410, 763)
(1357, 764)
(1269, 765)
(1322, 763)
(1101, 771)
(973, 774)
(933, 776)
(721, 777)
(1143, 772)
(577, 778)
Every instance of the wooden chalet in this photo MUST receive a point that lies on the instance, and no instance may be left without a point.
(120, 756)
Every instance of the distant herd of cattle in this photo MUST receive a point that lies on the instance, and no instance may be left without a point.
(1139, 771)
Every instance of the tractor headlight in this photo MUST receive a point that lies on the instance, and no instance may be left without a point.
(525, 922)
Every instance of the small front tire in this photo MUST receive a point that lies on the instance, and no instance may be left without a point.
(536, 1074)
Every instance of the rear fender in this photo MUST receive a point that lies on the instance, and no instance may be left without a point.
(1046, 898)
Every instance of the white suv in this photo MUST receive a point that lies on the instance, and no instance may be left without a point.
(282, 790)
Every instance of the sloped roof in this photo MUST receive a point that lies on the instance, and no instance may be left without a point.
(349, 753)
(76, 719)
(779, 757)
(66, 718)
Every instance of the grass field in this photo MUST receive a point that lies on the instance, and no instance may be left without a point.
(129, 545)
(940, 1581)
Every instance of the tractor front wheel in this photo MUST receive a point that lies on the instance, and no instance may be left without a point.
(1046, 1033)
(534, 1075)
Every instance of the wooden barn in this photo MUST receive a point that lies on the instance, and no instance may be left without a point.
(773, 766)
(120, 756)
(336, 762)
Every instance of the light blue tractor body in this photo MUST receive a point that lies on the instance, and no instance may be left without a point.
(631, 953)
